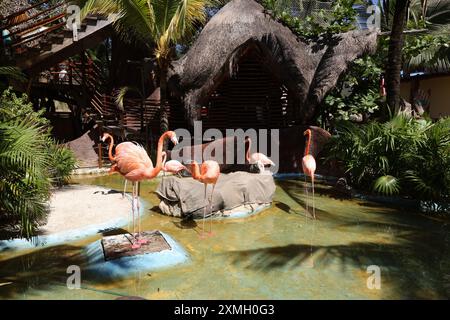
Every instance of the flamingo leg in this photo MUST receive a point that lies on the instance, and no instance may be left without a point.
(135, 245)
(124, 188)
(313, 200)
(140, 240)
(132, 207)
(204, 212)
(210, 208)
(307, 194)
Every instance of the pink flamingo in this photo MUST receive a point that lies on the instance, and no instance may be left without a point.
(257, 157)
(208, 174)
(309, 165)
(133, 162)
(122, 146)
(171, 166)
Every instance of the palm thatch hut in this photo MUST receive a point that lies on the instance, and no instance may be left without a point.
(246, 70)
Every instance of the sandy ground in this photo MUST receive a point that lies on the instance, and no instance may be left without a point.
(78, 206)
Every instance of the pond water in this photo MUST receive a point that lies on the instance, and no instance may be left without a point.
(276, 254)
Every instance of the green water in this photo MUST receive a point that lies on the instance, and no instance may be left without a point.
(277, 254)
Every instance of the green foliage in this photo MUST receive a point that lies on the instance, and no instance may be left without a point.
(62, 162)
(29, 163)
(388, 185)
(341, 18)
(161, 22)
(401, 156)
(10, 73)
(429, 52)
(358, 92)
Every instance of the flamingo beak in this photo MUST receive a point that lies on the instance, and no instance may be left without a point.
(102, 139)
(174, 139)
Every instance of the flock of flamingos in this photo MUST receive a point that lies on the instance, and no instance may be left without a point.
(134, 164)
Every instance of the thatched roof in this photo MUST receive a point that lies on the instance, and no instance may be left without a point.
(309, 70)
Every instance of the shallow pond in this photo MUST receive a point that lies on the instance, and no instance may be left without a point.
(276, 254)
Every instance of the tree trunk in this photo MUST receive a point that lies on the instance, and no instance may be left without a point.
(164, 106)
(394, 63)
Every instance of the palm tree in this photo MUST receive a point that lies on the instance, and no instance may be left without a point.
(394, 62)
(160, 25)
(433, 15)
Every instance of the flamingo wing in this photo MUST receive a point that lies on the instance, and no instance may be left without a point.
(122, 147)
(173, 166)
(309, 165)
(136, 175)
(210, 171)
(133, 158)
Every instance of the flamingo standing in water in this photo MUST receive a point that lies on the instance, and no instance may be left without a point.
(257, 157)
(207, 174)
(309, 165)
(135, 165)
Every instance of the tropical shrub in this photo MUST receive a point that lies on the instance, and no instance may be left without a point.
(403, 156)
(356, 94)
(62, 162)
(321, 23)
(29, 162)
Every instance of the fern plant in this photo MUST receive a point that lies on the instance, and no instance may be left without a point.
(30, 162)
(401, 156)
(24, 186)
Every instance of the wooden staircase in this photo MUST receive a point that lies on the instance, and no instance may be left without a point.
(42, 46)
(39, 38)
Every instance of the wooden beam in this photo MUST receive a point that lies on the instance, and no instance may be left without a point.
(39, 34)
(37, 25)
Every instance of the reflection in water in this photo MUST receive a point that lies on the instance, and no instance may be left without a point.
(279, 253)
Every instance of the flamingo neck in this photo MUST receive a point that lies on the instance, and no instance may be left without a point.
(247, 155)
(111, 143)
(159, 162)
(195, 171)
(164, 158)
(308, 144)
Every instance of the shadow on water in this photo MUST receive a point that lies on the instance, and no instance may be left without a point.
(38, 270)
(113, 232)
(186, 223)
(410, 270)
(292, 189)
(43, 269)
(417, 264)
(411, 250)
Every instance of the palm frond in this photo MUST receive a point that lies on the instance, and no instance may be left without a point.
(121, 93)
(13, 73)
(387, 185)
(135, 18)
(177, 21)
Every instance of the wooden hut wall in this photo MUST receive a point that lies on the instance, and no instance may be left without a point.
(252, 98)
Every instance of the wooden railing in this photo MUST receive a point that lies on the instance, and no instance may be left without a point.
(24, 33)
